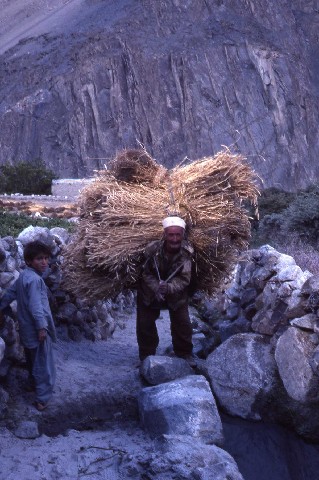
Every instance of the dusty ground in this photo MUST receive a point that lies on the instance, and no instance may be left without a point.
(46, 206)
(93, 414)
(91, 429)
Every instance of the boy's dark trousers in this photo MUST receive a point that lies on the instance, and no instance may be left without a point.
(30, 354)
(40, 364)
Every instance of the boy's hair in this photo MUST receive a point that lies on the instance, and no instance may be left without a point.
(32, 249)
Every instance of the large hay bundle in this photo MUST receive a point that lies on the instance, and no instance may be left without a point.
(136, 166)
(119, 218)
(210, 194)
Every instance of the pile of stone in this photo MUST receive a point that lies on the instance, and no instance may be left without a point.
(267, 366)
(74, 319)
(179, 411)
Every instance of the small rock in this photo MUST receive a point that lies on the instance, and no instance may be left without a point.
(27, 429)
(157, 369)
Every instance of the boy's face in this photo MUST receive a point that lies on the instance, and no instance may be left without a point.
(39, 263)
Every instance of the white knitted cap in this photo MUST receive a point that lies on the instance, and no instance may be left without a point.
(173, 222)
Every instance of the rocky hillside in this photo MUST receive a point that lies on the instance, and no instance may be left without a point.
(81, 79)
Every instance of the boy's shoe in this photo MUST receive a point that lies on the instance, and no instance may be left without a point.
(40, 406)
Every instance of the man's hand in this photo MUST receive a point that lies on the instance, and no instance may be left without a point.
(162, 291)
(163, 288)
(42, 334)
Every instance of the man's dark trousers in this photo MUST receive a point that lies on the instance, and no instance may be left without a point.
(146, 330)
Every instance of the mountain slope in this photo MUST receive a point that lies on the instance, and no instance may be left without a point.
(183, 78)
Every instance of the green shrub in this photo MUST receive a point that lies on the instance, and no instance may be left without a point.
(299, 219)
(27, 178)
(273, 200)
(12, 224)
(305, 255)
(270, 230)
(302, 216)
(2, 182)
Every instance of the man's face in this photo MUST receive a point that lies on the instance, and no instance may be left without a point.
(173, 237)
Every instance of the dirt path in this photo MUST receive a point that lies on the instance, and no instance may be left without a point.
(93, 416)
(93, 413)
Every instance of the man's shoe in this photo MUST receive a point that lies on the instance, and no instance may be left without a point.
(191, 360)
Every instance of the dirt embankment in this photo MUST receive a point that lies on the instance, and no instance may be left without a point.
(45, 206)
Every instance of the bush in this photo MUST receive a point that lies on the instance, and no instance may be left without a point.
(271, 229)
(305, 255)
(12, 224)
(273, 200)
(302, 216)
(285, 214)
(27, 178)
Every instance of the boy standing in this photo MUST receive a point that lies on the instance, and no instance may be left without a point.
(36, 325)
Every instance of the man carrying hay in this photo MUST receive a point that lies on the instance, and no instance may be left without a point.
(116, 247)
(164, 283)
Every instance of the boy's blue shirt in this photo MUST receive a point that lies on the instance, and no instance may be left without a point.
(33, 309)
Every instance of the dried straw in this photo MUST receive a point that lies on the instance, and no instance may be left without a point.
(118, 220)
(116, 224)
(136, 166)
(209, 194)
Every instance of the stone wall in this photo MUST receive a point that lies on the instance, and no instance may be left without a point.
(69, 188)
(267, 365)
(75, 318)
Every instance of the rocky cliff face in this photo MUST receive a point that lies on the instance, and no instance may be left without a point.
(180, 77)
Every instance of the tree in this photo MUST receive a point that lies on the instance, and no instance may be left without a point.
(27, 178)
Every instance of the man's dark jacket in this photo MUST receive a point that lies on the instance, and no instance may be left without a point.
(178, 285)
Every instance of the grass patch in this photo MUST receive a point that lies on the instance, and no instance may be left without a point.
(289, 222)
(305, 255)
(12, 224)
